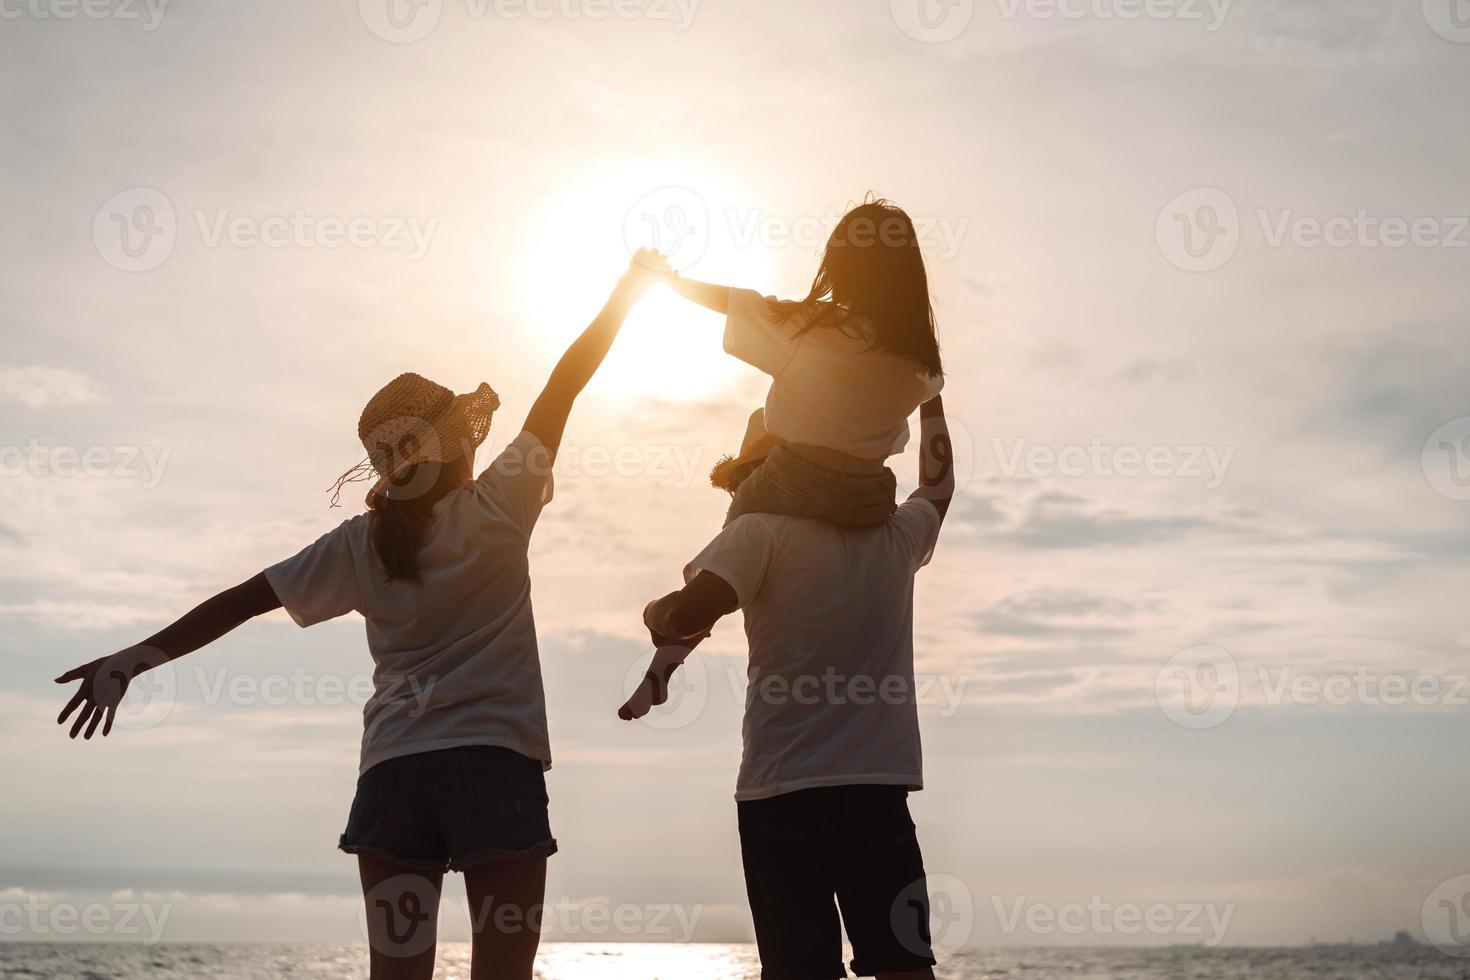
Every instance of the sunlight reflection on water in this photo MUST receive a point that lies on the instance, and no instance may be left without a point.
(651, 961)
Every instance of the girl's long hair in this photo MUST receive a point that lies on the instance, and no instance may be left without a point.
(872, 286)
(400, 523)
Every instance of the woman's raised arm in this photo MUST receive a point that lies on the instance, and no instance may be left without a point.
(105, 680)
(547, 419)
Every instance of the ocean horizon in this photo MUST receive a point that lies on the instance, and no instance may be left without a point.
(726, 961)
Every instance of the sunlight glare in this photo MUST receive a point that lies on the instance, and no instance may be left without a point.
(580, 243)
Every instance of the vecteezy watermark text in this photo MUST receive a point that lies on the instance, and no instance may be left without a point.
(938, 21)
(679, 222)
(942, 691)
(1201, 230)
(1364, 687)
(136, 230)
(35, 916)
(1209, 13)
(144, 464)
(397, 917)
(1203, 922)
(1201, 687)
(148, 12)
(1209, 464)
(406, 21)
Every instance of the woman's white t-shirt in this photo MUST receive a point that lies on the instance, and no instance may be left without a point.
(828, 387)
(455, 655)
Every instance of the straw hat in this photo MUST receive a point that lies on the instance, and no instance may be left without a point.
(412, 420)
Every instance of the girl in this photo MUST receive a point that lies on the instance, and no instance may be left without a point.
(849, 364)
(455, 743)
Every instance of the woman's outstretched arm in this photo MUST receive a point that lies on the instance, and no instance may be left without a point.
(105, 680)
(706, 294)
(547, 419)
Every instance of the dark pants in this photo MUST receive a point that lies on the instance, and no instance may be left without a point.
(852, 843)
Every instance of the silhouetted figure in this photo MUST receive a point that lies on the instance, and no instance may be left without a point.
(831, 731)
(454, 745)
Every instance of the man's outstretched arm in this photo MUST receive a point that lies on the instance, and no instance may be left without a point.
(936, 457)
(692, 612)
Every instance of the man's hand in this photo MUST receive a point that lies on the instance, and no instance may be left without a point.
(655, 617)
(104, 685)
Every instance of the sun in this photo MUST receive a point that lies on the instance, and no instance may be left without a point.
(581, 242)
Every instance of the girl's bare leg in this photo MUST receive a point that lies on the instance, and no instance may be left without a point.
(403, 918)
(506, 904)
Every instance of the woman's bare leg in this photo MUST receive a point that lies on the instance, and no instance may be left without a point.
(403, 918)
(506, 904)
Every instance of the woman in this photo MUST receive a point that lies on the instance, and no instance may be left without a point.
(454, 744)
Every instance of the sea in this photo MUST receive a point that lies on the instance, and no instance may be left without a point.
(708, 961)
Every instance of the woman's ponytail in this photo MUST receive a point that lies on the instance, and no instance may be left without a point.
(400, 523)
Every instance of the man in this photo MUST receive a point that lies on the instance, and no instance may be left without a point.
(831, 732)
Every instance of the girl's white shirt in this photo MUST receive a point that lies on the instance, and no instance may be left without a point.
(828, 387)
(455, 656)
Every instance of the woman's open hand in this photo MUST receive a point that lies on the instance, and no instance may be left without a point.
(104, 685)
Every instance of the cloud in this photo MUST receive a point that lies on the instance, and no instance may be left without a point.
(80, 615)
(39, 386)
(1396, 386)
(1062, 521)
(1053, 612)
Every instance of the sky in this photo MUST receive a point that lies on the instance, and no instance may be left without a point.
(1194, 639)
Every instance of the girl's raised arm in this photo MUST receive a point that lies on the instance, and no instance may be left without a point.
(936, 457)
(105, 680)
(706, 294)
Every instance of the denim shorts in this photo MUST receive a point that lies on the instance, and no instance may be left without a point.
(448, 809)
(787, 483)
(854, 843)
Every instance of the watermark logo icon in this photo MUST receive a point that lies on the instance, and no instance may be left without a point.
(398, 916)
(135, 230)
(1199, 231)
(950, 918)
(673, 220)
(1446, 459)
(1450, 19)
(401, 21)
(932, 21)
(142, 683)
(1198, 688)
(1446, 917)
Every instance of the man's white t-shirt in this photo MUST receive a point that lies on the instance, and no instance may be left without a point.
(455, 656)
(828, 387)
(829, 616)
